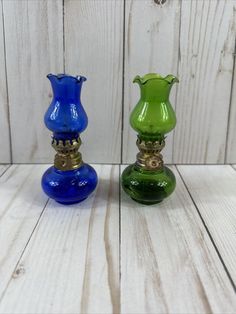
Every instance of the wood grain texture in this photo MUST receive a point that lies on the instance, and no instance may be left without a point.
(231, 140)
(151, 45)
(94, 48)
(34, 47)
(168, 262)
(213, 189)
(71, 264)
(207, 39)
(5, 142)
(21, 204)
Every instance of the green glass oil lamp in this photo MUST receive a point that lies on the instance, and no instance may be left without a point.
(148, 181)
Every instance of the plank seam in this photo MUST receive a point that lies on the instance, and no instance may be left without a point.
(233, 167)
(207, 230)
(7, 90)
(120, 236)
(177, 88)
(24, 249)
(9, 166)
(63, 29)
(230, 106)
(123, 86)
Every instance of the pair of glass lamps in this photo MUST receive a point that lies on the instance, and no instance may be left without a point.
(148, 180)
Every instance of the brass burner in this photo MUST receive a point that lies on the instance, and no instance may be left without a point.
(149, 157)
(67, 157)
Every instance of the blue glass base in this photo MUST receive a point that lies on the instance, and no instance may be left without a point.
(69, 187)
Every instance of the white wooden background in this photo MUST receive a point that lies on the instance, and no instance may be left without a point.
(110, 41)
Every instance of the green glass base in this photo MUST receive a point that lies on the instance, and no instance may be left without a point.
(148, 187)
(145, 202)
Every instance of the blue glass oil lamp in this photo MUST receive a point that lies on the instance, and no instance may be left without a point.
(70, 180)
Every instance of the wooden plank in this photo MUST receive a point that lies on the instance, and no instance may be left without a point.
(5, 151)
(168, 262)
(3, 169)
(94, 48)
(71, 264)
(151, 45)
(213, 189)
(207, 38)
(34, 47)
(231, 140)
(21, 204)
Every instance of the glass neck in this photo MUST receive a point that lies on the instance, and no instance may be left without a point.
(63, 136)
(66, 91)
(153, 92)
